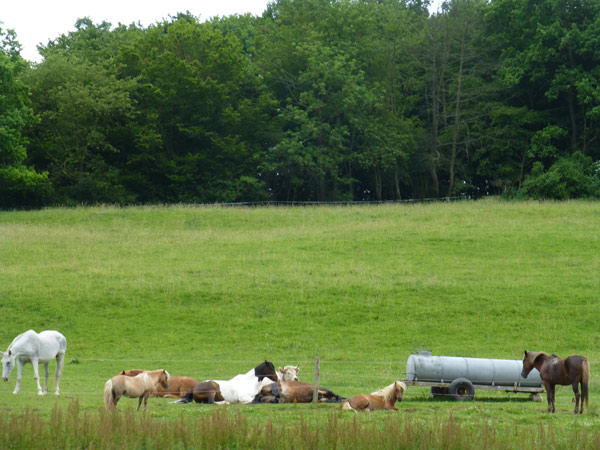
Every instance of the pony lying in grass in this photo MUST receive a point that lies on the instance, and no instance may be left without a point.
(35, 348)
(294, 392)
(207, 392)
(240, 389)
(383, 399)
(573, 370)
(178, 386)
(139, 386)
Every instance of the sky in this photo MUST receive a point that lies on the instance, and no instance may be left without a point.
(39, 21)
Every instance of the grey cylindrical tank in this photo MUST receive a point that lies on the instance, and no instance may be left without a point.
(444, 369)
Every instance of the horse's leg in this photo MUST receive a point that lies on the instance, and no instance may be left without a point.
(20, 365)
(46, 374)
(60, 361)
(577, 397)
(36, 375)
(146, 395)
(140, 402)
(549, 391)
(553, 388)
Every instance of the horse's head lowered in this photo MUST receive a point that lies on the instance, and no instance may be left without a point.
(8, 364)
(265, 370)
(163, 379)
(529, 362)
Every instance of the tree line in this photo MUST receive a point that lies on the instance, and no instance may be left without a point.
(315, 100)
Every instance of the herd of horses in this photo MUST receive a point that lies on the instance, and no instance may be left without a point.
(263, 384)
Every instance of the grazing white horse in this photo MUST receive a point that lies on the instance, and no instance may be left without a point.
(37, 349)
(244, 387)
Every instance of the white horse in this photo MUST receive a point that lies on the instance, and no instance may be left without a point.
(244, 387)
(35, 348)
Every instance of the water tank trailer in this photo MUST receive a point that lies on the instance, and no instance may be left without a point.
(458, 377)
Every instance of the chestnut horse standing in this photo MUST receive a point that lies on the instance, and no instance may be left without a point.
(140, 386)
(573, 370)
(178, 386)
(383, 399)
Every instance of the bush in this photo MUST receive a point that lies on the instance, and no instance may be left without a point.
(573, 176)
(21, 187)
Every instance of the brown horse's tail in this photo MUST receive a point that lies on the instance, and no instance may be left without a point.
(585, 381)
(108, 395)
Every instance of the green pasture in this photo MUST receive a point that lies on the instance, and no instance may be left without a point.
(211, 291)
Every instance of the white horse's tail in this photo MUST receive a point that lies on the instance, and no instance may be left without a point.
(346, 405)
(108, 395)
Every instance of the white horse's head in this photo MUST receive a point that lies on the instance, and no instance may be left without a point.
(288, 373)
(8, 364)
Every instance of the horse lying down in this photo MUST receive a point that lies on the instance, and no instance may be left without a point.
(382, 399)
(294, 392)
(240, 389)
(178, 386)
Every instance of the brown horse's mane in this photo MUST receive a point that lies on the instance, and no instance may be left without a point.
(388, 392)
(532, 356)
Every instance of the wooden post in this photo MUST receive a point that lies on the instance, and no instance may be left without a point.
(316, 384)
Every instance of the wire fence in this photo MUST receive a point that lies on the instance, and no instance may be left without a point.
(334, 374)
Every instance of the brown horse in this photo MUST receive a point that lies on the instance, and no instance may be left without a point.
(573, 370)
(294, 392)
(383, 399)
(139, 386)
(206, 392)
(178, 386)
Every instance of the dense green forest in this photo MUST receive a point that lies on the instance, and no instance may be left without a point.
(316, 100)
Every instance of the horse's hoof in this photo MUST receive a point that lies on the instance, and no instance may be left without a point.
(15, 392)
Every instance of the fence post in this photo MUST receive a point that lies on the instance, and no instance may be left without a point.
(316, 384)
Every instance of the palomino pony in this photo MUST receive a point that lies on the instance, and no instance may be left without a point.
(139, 386)
(573, 370)
(35, 348)
(382, 399)
(240, 389)
(178, 386)
(294, 392)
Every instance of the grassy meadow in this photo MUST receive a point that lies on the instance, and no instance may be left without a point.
(210, 292)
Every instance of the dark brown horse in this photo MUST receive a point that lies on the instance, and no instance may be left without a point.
(178, 386)
(294, 392)
(553, 370)
(385, 398)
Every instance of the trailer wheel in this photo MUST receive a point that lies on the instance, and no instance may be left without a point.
(461, 389)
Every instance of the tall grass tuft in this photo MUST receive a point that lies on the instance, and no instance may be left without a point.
(222, 428)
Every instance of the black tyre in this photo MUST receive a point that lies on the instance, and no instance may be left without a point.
(461, 390)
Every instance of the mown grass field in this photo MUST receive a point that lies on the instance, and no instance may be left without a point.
(212, 291)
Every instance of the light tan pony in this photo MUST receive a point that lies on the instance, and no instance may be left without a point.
(382, 399)
(140, 386)
(178, 386)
